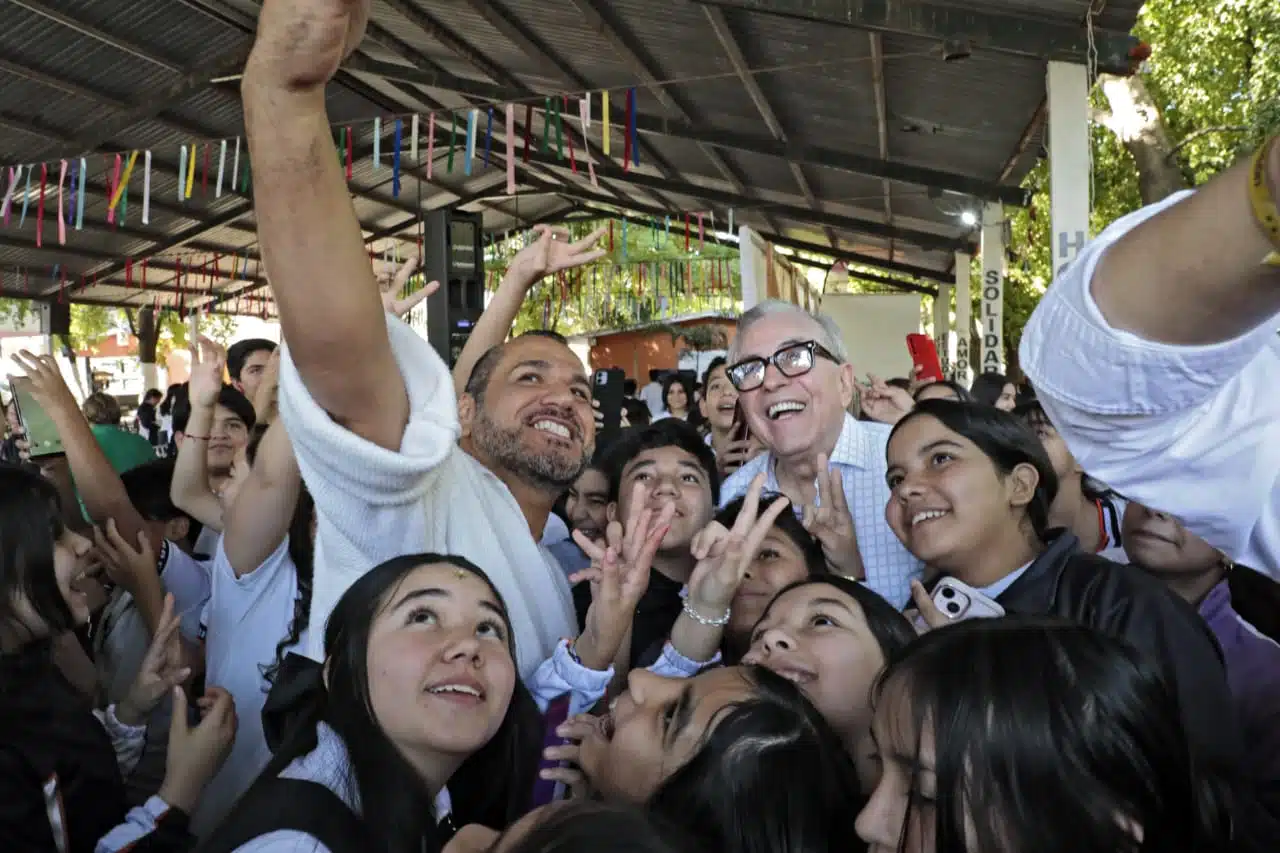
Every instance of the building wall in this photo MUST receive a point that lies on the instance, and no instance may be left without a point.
(643, 350)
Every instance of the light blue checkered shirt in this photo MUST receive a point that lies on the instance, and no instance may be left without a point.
(859, 454)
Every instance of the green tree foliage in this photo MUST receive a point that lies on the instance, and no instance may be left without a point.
(643, 283)
(1214, 74)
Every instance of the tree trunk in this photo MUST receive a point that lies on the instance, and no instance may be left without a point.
(1135, 120)
(148, 333)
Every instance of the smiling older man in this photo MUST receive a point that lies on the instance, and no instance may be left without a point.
(795, 385)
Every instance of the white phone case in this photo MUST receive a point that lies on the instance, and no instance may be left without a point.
(957, 600)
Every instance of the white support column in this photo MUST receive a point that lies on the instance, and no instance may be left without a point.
(992, 317)
(942, 327)
(752, 268)
(962, 371)
(1069, 177)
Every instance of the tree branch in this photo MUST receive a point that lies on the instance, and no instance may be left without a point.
(1205, 131)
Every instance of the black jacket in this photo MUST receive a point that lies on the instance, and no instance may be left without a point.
(56, 757)
(1125, 602)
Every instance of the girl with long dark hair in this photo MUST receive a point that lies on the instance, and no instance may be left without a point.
(418, 690)
(61, 764)
(1027, 736)
(971, 491)
(831, 636)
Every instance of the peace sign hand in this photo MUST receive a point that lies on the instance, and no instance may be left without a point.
(831, 523)
(619, 576)
(725, 555)
(393, 286)
(552, 253)
(885, 403)
(161, 670)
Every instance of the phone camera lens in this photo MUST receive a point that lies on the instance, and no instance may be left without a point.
(948, 592)
(953, 608)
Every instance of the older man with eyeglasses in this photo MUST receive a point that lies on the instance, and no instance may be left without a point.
(795, 384)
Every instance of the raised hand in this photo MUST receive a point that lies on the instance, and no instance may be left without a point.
(208, 362)
(619, 576)
(724, 555)
(196, 753)
(927, 615)
(301, 43)
(393, 285)
(885, 403)
(552, 253)
(831, 523)
(122, 561)
(47, 385)
(574, 730)
(161, 670)
(738, 453)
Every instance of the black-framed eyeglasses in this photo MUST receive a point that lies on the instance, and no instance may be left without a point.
(791, 360)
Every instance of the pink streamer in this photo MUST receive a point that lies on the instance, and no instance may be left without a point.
(115, 182)
(62, 220)
(511, 149)
(431, 144)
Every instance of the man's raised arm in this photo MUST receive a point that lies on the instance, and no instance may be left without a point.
(312, 246)
(1192, 274)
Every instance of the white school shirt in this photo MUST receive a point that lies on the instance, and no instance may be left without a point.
(373, 504)
(1189, 430)
(247, 618)
(859, 454)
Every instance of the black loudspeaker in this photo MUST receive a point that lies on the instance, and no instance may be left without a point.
(453, 250)
(55, 318)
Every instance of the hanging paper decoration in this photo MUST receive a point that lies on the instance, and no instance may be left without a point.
(62, 222)
(573, 161)
(633, 144)
(604, 123)
(488, 138)
(26, 198)
(191, 173)
(584, 116)
(121, 184)
(413, 139)
(247, 175)
(235, 165)
(559, 131)
(146, 186)
(44, 179)
(511, 149)
(431, 144)
(395, 160)
(377, 144)
(731, 231)
(453, 139)
(546, 125)
(702, 235)
(84, 173)
(222, 169)
(473, 119)
(8, 196)
(528, 129)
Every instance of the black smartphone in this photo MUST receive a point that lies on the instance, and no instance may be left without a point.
(42, 434)
(607, 389)
(545, 790)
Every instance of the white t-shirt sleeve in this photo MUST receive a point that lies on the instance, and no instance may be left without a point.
(189, 582)
(283, 841)
(340, 467)
(1188, 430)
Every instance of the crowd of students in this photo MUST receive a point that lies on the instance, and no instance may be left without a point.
(338, 616)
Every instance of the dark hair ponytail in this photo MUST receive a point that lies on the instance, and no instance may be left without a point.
(302, 555)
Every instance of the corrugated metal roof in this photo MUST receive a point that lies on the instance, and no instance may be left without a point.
(66, 77)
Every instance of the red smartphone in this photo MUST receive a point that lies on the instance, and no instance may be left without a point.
(924, 352)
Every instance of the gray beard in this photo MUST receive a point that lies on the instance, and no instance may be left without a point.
(550, 474)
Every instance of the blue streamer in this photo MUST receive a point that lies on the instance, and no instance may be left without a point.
(488, 139)
(395, 161)
(26, 196)
(84, 171)
(71, 184)
(471, 143)
(377, 143)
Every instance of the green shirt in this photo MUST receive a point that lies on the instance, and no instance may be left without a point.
(124, 450)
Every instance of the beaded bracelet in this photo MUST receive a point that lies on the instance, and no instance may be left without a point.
(702, 620)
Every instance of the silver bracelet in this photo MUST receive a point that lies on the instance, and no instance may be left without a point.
(702, 620)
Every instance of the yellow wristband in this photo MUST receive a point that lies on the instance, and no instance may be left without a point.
(1262, 199)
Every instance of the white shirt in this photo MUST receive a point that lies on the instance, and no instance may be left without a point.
(373, 504)
(247, 618)
(651, 396)
(859, 454)
(1189, 430)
